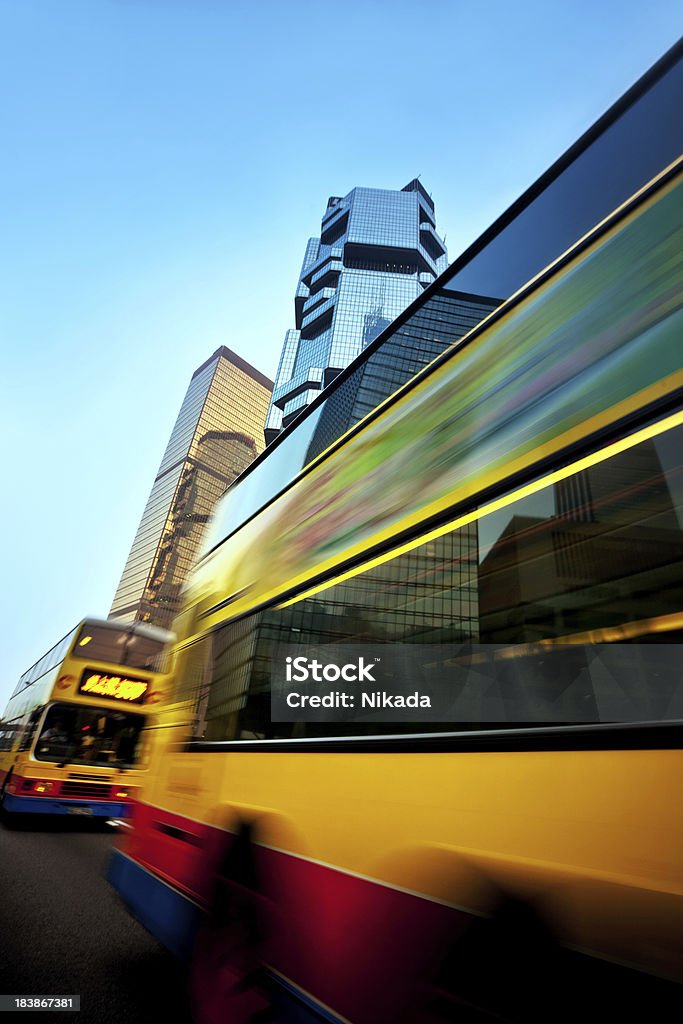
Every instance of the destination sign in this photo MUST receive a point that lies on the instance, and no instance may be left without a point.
(128, 689)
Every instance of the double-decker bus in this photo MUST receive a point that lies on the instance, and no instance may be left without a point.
(70, 737)
(518, 859)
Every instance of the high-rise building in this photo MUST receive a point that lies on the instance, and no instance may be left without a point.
(218, 433)
(378, 250)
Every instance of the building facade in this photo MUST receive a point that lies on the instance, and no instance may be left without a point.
(378, 250)
(218, 433)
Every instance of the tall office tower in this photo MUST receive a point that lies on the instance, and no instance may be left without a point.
(218, 433)
(377, 251)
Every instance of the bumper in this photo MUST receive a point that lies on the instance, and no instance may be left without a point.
(42, 805)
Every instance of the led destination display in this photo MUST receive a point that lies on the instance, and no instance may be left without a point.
(95, 683)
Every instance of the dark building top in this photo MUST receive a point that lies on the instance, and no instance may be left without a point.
(378, 249)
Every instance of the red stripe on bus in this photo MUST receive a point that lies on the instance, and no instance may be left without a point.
(326, 926)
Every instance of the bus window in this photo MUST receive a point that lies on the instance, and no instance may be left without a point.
(30, 729)
(8, 735)
(119, 646)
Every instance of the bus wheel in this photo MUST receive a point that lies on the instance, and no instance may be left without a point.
(227, 979)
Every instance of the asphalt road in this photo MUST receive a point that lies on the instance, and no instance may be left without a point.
(63, 931)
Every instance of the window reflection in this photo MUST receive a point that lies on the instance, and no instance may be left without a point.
(593, 559)
(599, 549)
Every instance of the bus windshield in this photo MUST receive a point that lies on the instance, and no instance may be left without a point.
(94, 736)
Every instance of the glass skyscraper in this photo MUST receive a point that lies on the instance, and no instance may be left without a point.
(378, 250)
(218, 433)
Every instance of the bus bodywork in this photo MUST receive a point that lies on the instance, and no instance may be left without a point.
(71, 735)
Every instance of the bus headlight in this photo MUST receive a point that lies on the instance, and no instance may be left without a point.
(121, 794)
(43, 787)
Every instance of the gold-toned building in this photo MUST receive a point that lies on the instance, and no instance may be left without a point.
(218, 433)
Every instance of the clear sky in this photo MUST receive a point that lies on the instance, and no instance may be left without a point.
(163, 163)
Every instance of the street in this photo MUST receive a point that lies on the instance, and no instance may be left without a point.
(64, 932)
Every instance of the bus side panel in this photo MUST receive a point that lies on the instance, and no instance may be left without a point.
(364, 902)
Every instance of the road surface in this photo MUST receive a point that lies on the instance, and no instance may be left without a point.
(63, 931)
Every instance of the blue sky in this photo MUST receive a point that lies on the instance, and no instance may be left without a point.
(164, 162)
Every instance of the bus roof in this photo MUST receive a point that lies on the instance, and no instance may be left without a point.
(142, 629)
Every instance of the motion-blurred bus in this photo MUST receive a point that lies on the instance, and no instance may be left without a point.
(520, 859)
(70, 737)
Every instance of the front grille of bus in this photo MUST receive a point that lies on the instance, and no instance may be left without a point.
(86, 790)
(87, 778)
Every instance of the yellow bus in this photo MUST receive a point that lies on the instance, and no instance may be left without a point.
(520, 857)
(70, 737)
